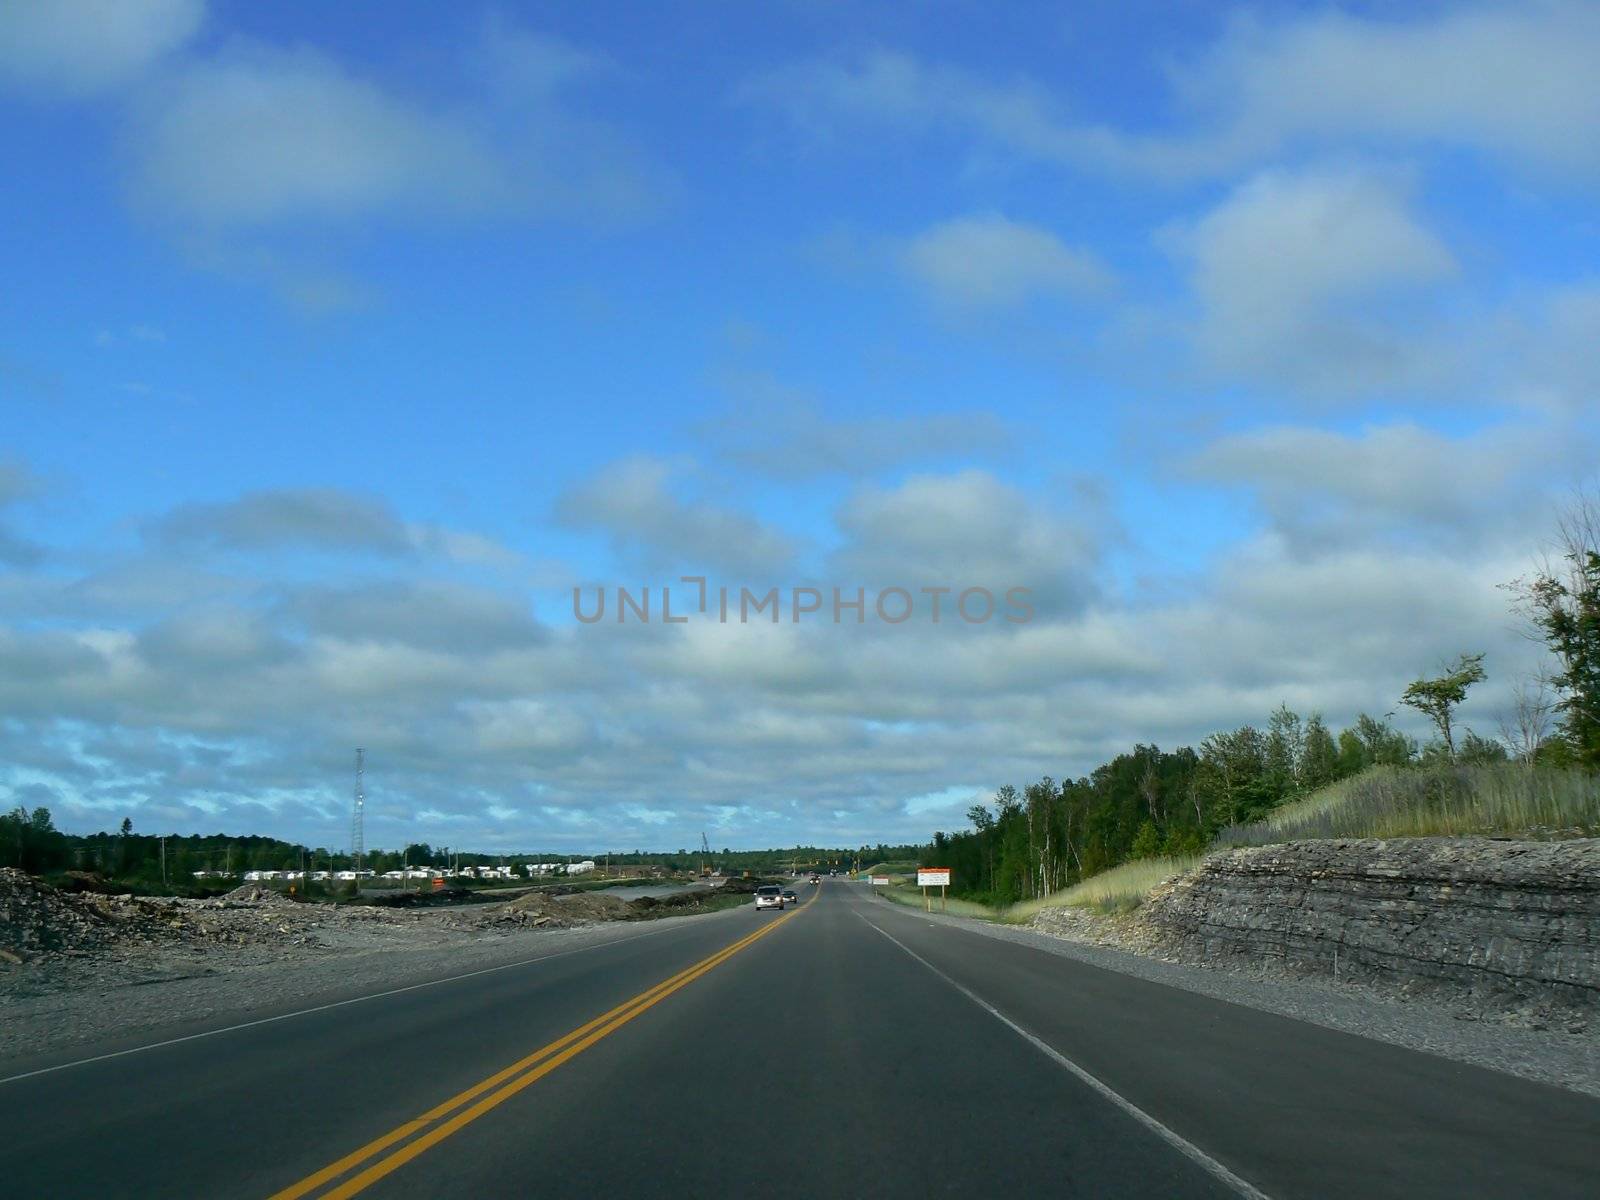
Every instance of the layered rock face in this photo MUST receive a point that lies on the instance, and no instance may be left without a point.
(1505, 922)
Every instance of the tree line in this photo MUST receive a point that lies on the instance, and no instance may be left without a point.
(30, 840)
(1150, 802)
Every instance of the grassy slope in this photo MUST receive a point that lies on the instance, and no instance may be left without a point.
(1505, 800)
(911, 896)
(1120, 888)
(890, 868)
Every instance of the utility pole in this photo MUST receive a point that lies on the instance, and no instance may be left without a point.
(163, 861)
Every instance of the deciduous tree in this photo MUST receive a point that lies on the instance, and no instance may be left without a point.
(1438, 698)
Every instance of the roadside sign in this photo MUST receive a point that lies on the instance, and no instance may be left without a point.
(880, 881)
(928, 877)
(438, 885)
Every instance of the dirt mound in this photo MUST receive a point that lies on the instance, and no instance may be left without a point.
(254, 893)
(38, 921)
(673, 902)
(562, 912)
(35, 919)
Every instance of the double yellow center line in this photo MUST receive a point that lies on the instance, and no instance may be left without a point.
(439, 1122)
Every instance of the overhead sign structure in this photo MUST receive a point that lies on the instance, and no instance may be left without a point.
(928, 877)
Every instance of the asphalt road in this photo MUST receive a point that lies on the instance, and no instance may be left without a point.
(849, 1048)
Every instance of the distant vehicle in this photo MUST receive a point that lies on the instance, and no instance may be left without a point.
(815, 878)
(789, 897)
(770, 896)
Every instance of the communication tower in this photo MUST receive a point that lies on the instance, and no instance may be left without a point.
(358, 844)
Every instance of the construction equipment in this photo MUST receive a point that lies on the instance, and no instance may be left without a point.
(705, 858)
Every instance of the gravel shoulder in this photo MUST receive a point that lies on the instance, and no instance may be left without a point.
(1566, 1059)
(156, 969)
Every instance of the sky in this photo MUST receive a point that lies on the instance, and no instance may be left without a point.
(340, 344)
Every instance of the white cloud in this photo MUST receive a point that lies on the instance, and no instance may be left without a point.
(1514, 82)
(1302, 277)
(1542, 354)
(812, 733)
(523, 64)
(245, 154)
(966, 529)
(321, 517)
(782, 431)
(428, 614)
(1323, 489)
(989, 260)
(899, 91)
(634, 503)
(234, 700)
(261, 135)
(74, 48)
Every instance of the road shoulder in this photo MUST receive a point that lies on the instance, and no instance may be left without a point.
(1567, 1060)
(36, 1028)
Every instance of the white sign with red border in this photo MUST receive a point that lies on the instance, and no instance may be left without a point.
(880, 881)
(933, 876)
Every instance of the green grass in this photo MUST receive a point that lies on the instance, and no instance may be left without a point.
(1120, 889)
(890, 868)
(911, 896)
(1454, 801)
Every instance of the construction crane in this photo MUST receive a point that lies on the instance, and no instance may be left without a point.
(705, 858)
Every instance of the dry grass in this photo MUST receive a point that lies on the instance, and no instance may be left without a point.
(1458, 801)
(1116, 890)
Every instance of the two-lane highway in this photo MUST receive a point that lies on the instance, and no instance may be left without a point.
(848, 1047)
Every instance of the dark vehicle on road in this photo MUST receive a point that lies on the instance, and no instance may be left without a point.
(789, 897)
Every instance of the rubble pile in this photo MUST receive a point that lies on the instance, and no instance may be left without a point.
(560, 912)
(36, 920)
(254, 893)
(54, 939)
(40, 922)
(1120, 931)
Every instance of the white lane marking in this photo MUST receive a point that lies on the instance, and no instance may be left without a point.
(1176, 1140)
(302, 1012)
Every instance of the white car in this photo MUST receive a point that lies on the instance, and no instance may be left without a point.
(770, 896)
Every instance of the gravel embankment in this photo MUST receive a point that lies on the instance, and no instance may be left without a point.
(1566, 1059)
(82, 968)
(178, 998)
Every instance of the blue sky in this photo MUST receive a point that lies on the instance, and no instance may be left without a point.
(339, 345)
